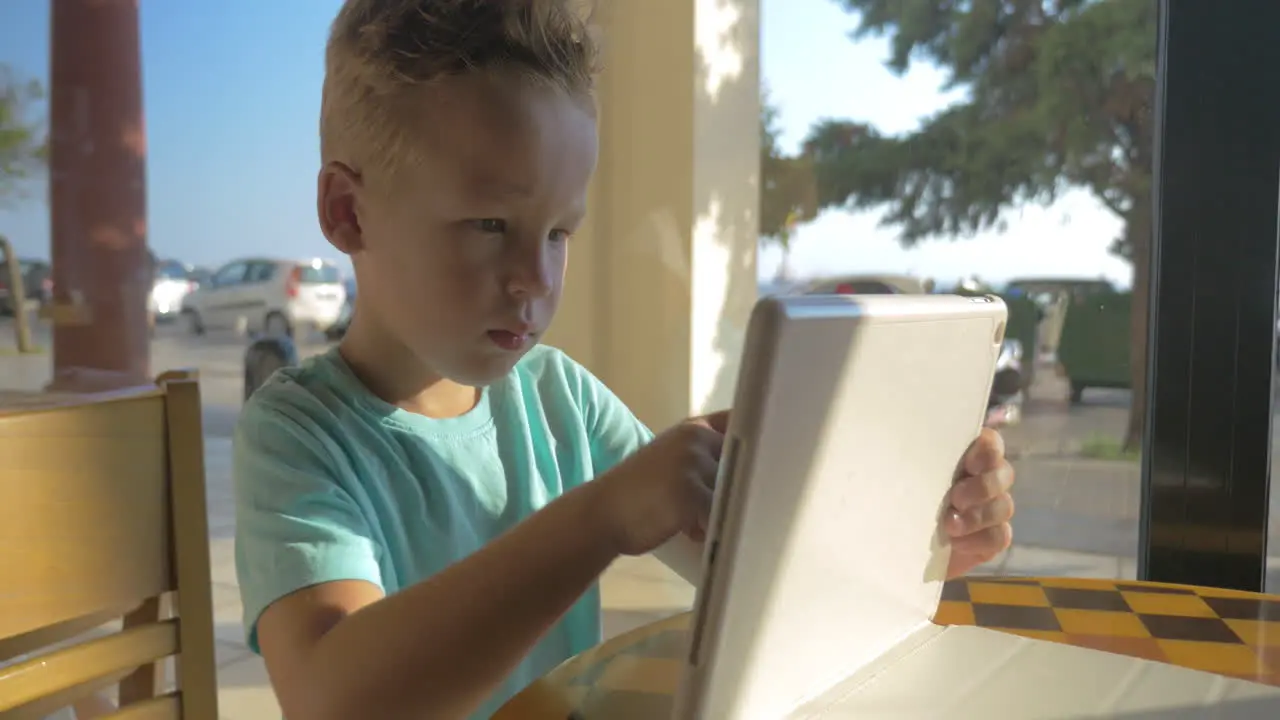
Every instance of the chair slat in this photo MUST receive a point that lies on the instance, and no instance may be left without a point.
(43, 707)
(44, 637)
(29, 680)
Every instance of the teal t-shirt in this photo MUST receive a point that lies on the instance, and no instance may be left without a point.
(332, 483)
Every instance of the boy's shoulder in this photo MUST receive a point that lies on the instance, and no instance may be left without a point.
(323, 384)
(314, 384)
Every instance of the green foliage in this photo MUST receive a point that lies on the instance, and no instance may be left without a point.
(788, 192)
(1102, 447)
(23, 150)
(1058, 94)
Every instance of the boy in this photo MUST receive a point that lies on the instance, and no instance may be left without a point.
(416, 536)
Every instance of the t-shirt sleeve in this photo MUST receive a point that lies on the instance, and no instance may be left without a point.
(614, 431)
(297, 524)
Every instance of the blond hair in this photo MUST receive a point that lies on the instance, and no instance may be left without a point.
(380, 51)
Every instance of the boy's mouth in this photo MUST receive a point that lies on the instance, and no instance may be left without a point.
(508, 340)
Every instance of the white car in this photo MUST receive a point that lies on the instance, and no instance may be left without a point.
(263, 296)
(172, 283)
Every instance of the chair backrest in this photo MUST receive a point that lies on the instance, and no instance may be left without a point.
(102, 519)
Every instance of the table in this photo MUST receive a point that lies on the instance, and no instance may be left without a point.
(1220, 631)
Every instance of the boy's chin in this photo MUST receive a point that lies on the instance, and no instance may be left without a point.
(485, 368)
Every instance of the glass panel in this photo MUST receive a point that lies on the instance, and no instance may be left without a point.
(230, 275)
(986, 147)
(319, 275)
(260, 272)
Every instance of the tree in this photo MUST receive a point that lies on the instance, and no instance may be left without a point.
(1058, 95)
(788, 187)
(23, 150)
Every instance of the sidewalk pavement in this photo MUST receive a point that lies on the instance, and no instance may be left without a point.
(635, 591)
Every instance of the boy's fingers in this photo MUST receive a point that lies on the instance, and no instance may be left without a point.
(703, 504)
(705, 465)
(984, 454)
(981, 517)
(707, 440)
(718, 421)
(973, 491)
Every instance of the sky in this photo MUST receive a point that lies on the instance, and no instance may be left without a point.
(232, 92)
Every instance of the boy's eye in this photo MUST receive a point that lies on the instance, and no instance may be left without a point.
(491, 226)
(559, 235)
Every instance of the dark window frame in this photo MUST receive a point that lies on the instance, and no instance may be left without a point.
(1206, 466)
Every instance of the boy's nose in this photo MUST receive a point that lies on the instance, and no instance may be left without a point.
(532, 273)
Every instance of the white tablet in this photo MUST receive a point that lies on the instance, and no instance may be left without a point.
(850, 417)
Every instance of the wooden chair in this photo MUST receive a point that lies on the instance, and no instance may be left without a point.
(102, 518)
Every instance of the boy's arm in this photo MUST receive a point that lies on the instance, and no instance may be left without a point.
(441, 647)
(615, 433)
(335, 647)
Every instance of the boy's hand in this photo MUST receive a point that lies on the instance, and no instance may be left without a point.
(980, 505)
(665, 487)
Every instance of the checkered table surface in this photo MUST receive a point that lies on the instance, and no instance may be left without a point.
(634, 676)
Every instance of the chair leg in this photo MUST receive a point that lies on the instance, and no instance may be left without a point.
(92, 707)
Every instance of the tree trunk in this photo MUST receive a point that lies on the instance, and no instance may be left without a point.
(1138, 234)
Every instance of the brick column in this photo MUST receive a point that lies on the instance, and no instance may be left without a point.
(101, 267)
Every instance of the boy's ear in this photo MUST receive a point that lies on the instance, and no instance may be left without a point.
(337, 190)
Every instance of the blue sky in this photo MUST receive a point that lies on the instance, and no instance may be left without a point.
(232, 91)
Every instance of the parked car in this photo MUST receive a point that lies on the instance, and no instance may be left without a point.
(867, 285)
(267, 296)
(339, 328)
(37, 283)
(200, 276)
(172, 283)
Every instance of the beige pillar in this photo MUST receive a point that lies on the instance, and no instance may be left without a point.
(663, 276)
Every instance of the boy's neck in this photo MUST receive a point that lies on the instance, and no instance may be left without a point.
(392, 373)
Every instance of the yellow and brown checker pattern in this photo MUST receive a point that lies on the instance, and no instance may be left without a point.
(634, 676)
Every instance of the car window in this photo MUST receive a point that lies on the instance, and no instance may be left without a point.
(232, 274)
(325, 274)
(261, 272)
(859, 287)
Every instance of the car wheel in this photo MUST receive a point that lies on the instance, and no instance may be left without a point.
(276, 325)
(1077, 394)
(194, 325)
